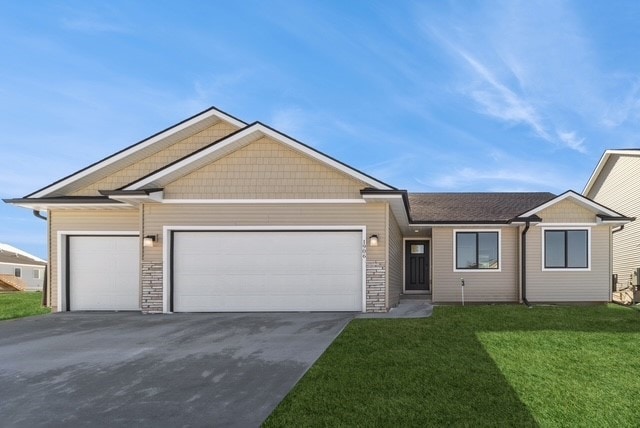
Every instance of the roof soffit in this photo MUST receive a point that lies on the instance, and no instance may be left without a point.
(136, 152)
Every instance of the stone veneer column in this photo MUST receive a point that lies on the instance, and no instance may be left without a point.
(375, 286)
(151, 288)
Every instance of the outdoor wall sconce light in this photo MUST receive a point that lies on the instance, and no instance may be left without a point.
(149, 240)
(373, 240)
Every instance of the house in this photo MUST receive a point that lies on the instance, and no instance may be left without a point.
(214, 214)
(19, 270)
(615, 182)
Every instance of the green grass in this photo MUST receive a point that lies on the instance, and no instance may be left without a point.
(476, 366)
(21, 304)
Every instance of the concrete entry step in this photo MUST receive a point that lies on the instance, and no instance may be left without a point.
(407, 308)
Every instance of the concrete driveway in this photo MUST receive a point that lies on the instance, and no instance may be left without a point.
(105, 369)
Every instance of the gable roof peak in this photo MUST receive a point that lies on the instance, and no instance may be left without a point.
(157, 141)
(236, 140)
(603, 161)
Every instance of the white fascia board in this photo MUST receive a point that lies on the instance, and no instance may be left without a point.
(142, 145)
(184, 163)
(603, 161)
(135, 200)
(596, 173)
(44, 206)
(23, 264)
(469, 225)
(251, 133)
(263, 201)
(579, 199)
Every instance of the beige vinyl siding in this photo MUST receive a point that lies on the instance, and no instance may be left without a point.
(569, 285)
(566, 211)
(265, 169)
(158, 160)
(618, 187)
(84, 220)
(480, 286)
(395, 261)
(370, 215)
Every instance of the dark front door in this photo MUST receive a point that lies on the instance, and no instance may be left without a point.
(416, 256)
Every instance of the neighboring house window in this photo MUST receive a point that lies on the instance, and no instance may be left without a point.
(566, 249)
(477, 250)
(17, 272)
(36, 274)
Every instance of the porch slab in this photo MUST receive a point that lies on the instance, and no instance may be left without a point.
(409, 307)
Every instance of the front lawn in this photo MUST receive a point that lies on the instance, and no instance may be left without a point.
(476, 366)
(21, 304)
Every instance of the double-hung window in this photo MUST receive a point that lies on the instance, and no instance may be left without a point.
(566, 248)
(477, 250)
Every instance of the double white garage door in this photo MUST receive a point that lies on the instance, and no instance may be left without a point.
(227, 271)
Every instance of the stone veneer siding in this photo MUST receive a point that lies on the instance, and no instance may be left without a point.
(151, 288)
(376, 286)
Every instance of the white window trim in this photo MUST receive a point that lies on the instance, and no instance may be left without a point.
(17, 269)
(36, 274)
(572, 227)
(455, 268)
(166, 248)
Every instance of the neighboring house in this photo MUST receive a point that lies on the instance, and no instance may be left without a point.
(616, 183)
(20, 270)
(214, 214)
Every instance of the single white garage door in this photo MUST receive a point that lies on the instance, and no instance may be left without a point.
(246, 271)
(103, 273)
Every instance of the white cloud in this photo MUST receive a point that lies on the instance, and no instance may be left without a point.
(621, 111)
(571, 140)
(532, 65)
(501, 102)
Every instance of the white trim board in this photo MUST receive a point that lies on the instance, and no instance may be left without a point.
(62, 256)
(602, 162)
(166, 246)
(211, 113)
(233, 142)
(263, 201)
(578, 199)
(24, 264)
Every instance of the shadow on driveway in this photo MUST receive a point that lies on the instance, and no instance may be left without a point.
(105, 369)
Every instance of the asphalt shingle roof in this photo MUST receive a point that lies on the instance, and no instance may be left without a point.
(473, 207)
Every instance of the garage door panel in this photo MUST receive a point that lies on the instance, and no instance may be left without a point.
(103, 273)
(267, 271)
(266, 284)
(275, 303)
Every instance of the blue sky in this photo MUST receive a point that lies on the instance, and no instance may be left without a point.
(432, 96)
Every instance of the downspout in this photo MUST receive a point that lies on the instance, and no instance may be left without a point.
(37, 214)
(616, 230)
(45, 282)
(523, 263)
